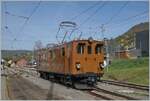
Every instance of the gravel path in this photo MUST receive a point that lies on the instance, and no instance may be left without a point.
(4, 86)
(60, 90)
(24, 86)
(22, 89)
(4, 92)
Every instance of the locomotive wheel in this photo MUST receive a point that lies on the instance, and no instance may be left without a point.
(44, 76)
(72, 83)
(62, 80)
(41, 75)
(98, 78)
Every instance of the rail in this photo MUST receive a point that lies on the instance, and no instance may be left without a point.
(109, 95)
(125, 84)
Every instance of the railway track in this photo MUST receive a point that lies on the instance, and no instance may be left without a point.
(124, 84)
(109, 95)
(98, 92)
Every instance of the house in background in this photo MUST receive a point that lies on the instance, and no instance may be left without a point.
(21, 62)
(142, 42)
(137, 46)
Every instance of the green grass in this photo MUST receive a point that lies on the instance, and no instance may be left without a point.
(131, 70)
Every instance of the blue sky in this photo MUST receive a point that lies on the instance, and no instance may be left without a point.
(43, 24)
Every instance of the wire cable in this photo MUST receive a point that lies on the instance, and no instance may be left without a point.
(24, 17)
(5, 7)
(132, 17)
(117, 13)
(29, 17)
(81, 13)
(26, 21)
(98, 9)
(86, 10)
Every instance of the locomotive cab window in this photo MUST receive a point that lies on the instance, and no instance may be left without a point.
(80, 48)
(63, 51)
(98, 48)
(89, 49)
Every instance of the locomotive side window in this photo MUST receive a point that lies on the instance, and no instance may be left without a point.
(80, 48)
(51, 54)
(63, 51)
(98, 48)
(44, 56)
(89, 50)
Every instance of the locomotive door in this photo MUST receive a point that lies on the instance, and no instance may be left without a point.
(68, 59)
(90, 60)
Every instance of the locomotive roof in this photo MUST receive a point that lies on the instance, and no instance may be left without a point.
(86, 40)
(60, 45)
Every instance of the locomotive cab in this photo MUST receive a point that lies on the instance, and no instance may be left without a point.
(87, 60)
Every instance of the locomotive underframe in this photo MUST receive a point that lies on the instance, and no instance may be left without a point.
(69, 79)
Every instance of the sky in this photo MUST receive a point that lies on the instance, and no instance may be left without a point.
(114, 17)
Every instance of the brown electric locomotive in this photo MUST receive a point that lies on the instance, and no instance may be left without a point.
(75, 62)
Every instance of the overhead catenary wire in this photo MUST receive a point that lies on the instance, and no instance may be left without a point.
(5, 18)
(134, 16)
(26, 21)
(98, 9)
(114, 29)
(128, 18)
(29, 17)
(77, 16)
(119, 24)
(11, 14)
(5, 7)
(86, 10)
(117, 13)
(6, 23)
(131, 17)
(86, 20)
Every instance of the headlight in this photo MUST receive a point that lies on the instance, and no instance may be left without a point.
(103, 65)
(78, 66)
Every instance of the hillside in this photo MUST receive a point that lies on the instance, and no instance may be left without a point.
(10, 54)
(131, 70)
(127, 39)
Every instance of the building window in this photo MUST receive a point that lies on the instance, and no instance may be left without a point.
(98, 48)
(89, 50)
(80, 48)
